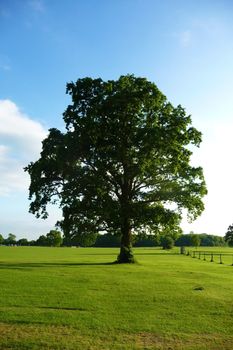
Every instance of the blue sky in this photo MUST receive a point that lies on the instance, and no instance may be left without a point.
(185, 47)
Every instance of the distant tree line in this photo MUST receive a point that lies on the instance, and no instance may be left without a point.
(203, 240)
(166, 241)
(54, 239)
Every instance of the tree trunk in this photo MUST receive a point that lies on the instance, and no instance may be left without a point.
(126, 253)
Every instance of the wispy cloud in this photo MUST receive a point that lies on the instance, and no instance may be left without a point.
(4, 63)
(4, 13)
(210, 26)
(184, 37)
(37, 5)
(20, 143)
(199, 28)
(5, 67)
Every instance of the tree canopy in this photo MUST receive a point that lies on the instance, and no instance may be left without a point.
(1, 239)
(122, 165)
(52, 239)
(229, 235)
(205, 240)
(11, 239)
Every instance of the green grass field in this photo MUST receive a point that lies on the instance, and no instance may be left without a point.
(68, 298)
(213, 254)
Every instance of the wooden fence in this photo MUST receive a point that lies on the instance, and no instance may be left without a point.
(218, 257)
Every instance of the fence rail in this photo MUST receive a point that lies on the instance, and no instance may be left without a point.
(219, 257)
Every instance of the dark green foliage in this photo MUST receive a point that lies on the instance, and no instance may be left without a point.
(205, 240)
(211, 240)
(124, 156)
(66, 242)
(229, 236)
(146, 240)
(184, 240)
(23, 242)
(81, 240)
(140, 240)
(195, 240)
(11, 239)
(42, 241)
(108, 240)
(167, 242)
(1, 239)
(32, 243)
(54, 238)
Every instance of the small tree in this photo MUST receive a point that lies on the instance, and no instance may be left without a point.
(1, 239)
(23, 242)
(54, 238)
(167, 242)
(42, 241)
(11, 239)
(229, 236)
(195, 240)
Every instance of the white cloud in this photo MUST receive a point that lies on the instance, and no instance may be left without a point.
(215, 156)
(20, 143)
(3, 151)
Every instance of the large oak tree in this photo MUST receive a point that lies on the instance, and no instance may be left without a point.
(123, 164)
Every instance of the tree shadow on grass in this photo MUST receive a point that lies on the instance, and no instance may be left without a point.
(31, 265)
(164, 253)
(53, 308)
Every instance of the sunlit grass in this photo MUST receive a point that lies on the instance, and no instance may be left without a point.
(68, 298)
(219, 255)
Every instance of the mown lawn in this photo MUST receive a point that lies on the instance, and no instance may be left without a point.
(213, 254)
(68, 298)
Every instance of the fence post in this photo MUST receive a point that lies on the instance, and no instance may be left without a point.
(204, 256)
(220, 259)
(182, 250)
(212, 258)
